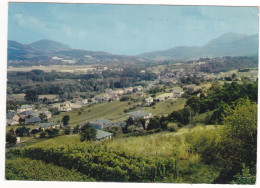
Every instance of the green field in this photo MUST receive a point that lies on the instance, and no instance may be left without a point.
(149, 150)
(114, 111)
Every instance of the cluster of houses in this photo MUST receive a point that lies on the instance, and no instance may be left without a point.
(27, 114)
(67, 106)
(114, 95)
(177, 93)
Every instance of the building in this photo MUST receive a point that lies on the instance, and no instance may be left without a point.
(100, 124)
(33, 120)
(177, 93)
(140, 114)
(101, 135)
(149, 100)
(44, 126)
(24, 108)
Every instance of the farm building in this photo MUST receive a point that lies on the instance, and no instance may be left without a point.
(100, 124)
(103, 135)
(24, 108)
(140, 114)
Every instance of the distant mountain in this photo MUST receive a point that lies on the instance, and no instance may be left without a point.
(18, 51)
(230, 44)
(47, 52)
(48, 45)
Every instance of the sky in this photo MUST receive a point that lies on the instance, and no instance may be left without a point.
(126, 29)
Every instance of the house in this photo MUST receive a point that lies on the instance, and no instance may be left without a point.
(177, 93)
(24, 108)
(11, 122)
(65, 108)
(44, 126)
(80, 101)
(140, 114)
(128, 90)
(138, 88)
(47, 114)
(30, 113)
(102, 98)
(119, 91)
(100, 124)
(12, 116)
(75, 106)
(101, 135)
(163, 97)
(42, 110)
(33, 120)
(149, 100)
(67, 103)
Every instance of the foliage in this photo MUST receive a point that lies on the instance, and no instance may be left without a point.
(76, 129)
(87, 133)
(10, 137)
(31, 95)
(28, 169)
(67, 130)
(65, 120)
(101, 162)
(51, 133)
(239, 138)
(21, 131)
(245, 177)
(205, 142)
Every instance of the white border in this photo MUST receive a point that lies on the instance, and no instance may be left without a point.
(3, 71)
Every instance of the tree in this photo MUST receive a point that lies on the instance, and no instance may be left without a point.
(21, 131)
(76, 129)
(239, 138)
(34, 131)
(52, 132)
(10, 137)
(67, 130)
(65, 120)
(87, 133)
(31, 96)
(194, 103)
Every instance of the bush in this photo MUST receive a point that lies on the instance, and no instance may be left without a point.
(173, 127)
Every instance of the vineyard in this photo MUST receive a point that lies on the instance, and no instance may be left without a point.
(103, 164)
(27, 169)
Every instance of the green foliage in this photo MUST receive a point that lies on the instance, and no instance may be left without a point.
(245, 177)
(10, 137)
(28, 169)
(101, 162)
(31, 96)
(67, 130)
(87, 133)
(65, 120)
(21, 131)
(51, 133)
(76, 129)
(205, 142)
(239, 138)
(173, 127)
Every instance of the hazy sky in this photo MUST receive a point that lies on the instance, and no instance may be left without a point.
(126, 29)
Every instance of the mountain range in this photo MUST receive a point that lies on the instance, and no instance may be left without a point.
(43, 51)
(230, 44)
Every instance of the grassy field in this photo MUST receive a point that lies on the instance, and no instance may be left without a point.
(164, 145)
(114, 111)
